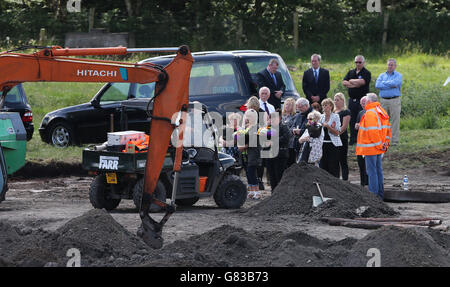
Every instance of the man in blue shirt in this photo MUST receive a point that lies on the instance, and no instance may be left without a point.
(389, 84)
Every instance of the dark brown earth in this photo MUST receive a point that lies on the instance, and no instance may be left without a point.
(294, 195)
(44, 216)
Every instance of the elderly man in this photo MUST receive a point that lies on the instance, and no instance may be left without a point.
(373, 141)
(390, 84)
(316, 81)
(357, 81)
(271, 78)
(299, 123)
(264, 95)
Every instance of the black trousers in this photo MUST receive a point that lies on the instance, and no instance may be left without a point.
(330, 159)
(343, 152)
(292, 157)
(260, 170)
(275, 168)
(364, 179)
(355, 108)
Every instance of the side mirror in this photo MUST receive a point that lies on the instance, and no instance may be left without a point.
(95, 103)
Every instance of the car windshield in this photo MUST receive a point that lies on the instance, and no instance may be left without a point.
(213, 78)
(257, 64)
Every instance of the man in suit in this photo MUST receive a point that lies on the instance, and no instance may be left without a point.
(316, 81)
(272, 79)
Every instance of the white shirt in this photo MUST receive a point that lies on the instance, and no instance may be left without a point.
(270, 107)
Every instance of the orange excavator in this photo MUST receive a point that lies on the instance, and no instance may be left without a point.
(56, 64)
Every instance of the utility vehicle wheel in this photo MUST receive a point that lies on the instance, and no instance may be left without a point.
(186, 201)
(99, 194)
(61, 134)
(160, 193)
(231, 192)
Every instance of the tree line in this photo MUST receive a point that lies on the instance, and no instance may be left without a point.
(228, 24)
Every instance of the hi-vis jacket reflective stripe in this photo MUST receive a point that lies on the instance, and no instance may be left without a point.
(374, 135)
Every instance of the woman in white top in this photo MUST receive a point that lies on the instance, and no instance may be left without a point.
(331, 141)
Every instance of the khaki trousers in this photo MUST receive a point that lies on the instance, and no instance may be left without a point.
(393, 107)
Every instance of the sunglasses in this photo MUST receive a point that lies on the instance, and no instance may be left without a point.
(358, 62)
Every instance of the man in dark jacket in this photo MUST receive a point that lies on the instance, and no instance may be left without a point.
(272, 79)
(357, 81)
(300, 119)
(316, 81)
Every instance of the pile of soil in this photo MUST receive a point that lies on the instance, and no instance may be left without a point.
(100, 240)
(228, 246)
(401, 247)
(293, 196)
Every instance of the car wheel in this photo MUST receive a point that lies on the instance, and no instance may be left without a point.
(61, 134)
(99, 194)
(231, 192)
(160, 194)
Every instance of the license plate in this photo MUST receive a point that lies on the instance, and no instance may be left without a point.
(111, 177)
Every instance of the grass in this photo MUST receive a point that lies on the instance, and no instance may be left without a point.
(425, 123)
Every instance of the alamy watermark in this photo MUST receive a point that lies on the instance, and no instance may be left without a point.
(207, 130)
(75, 257)
(374, 6)
(73, 6)
(375, 257)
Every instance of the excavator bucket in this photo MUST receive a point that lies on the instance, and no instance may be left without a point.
(171, 100)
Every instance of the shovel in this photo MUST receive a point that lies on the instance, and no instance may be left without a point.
(319, 200)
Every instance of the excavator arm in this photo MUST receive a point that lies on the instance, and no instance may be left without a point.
(55, 64)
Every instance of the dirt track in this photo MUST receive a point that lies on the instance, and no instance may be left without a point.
(49, 203)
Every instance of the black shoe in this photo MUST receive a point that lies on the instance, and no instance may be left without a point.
(261, 185)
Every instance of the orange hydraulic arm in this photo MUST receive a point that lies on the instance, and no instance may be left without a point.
(53, 64)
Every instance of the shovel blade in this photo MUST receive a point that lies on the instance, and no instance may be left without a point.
(317, 200)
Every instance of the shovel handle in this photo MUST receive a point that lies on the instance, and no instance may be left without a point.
(320, 192)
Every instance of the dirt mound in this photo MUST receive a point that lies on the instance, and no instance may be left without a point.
(228, 246)
(403, 247)
(100, 240)
(98, 236)
(294, 193)
(39, 169)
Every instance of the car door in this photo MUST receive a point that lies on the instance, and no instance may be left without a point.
(136, 106)
(94, 120)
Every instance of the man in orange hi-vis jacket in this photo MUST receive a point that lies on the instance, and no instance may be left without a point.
(374, 138)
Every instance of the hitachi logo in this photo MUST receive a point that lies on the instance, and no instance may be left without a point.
(95, 73)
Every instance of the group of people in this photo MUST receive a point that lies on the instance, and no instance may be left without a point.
(314, 129)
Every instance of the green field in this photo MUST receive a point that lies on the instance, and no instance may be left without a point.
(425, 123)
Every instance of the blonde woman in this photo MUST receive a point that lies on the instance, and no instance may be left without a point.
(288, 112)
(344, 116)
(331, 141)
(252, 149)
(253, 103)
(288, 118)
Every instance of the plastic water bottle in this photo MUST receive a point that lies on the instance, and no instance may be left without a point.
(405, 182)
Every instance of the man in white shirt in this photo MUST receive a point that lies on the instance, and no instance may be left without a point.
(264, 94)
